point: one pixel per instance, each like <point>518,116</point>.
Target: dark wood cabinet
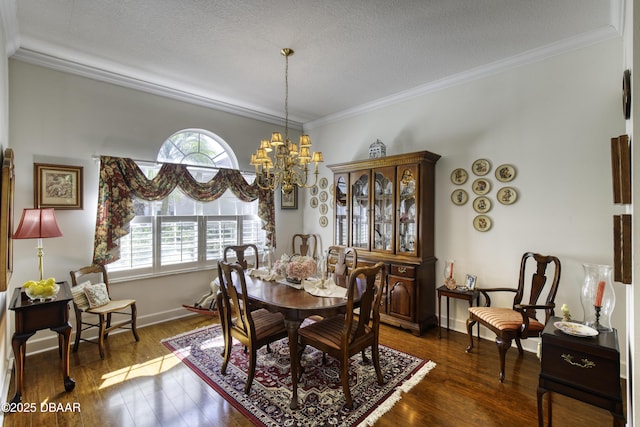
<point>384,208</point>
<point>584,368</point>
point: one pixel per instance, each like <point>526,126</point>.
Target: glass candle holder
<point>598,297</point>
<point>449,280</point>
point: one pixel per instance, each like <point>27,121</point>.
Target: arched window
<point>197,147</point>
<point>180,233</point>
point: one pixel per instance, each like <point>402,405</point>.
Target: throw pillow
<point>79,297</point>
<point>97,295</point>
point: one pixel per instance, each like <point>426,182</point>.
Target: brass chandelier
<point>281,163</point>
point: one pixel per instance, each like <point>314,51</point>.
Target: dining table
<point>295,305</point>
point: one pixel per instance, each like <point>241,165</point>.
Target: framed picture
<point>6,217</point>
<point>290,200</point>
<point>57,186</point>
<point>470,283</point>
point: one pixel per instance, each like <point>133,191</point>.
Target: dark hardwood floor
<point>143,384</point>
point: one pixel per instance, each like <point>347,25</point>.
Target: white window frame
<point>158,263</point>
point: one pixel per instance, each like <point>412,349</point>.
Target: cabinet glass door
<point>340,192</point>
<point>407,205</point>
<point>360,209</point>
<point>383,212</point>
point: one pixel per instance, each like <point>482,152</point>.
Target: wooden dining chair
<point>518,321</point>
<point>237,252</point>
<point>90,291</point>
<point>344,335</point>
<point>253,329</point>
<point>341,260</point>
<point>304,245</point>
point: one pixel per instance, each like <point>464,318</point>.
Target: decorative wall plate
<point>481,186</point>
<point>323,183</point>
<point>482,223</point>
<point>481,167</point>
<point>324,209</point>
<point>323,221</point>
<point>459,197</point>
<point>505,173</point>
<point>314,190</point>
<point>482,204</point>
<point>459,176</point>
<point>324,196</point>
<point>314,202</point>
<point>626,94</point>
<point>507,195</point>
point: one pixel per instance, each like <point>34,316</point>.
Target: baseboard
<point>50,341</point>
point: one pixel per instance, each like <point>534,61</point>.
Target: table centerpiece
<point>295,268</point>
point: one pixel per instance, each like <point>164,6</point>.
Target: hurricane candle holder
<point>598,297</point>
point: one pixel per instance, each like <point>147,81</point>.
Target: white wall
<point>553,121</point>
<point>64,119</point>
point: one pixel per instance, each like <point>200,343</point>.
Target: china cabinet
<point>384,207</point>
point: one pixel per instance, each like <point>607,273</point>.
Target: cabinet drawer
<point>597,373</point>
<point>403,270</point>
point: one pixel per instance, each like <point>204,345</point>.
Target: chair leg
<point>106,335</point>
<point>76,344</point>
<point>252,369</point>
<point>228,341</point>
<point>365,359</point>
<point>503,346</point>
<point>101,336</point>
<point>375,355</point>
<point>344,375</point>
<point>134,317</point>
<point>470,325</point>
<point>519,344</point>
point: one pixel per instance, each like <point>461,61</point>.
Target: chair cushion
<point>503,319</point>
<point>111,306</point>
<point>79,297</point>
<point>97,295</point>
<point>267,323</point>
<point>328,331</point>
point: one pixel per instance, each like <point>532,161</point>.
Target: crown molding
<point>166,90</point>
<point>534,55</point>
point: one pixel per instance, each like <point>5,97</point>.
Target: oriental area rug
<point>320,396</point>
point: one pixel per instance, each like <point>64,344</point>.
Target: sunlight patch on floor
<point>152,367</point>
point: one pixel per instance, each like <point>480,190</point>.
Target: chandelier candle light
<point>280,162</point>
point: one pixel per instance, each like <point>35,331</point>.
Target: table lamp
<point>38,224</point>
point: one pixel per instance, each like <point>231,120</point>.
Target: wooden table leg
<point>19,344</point>
<point>292,327</point>
<point>65,332</point>
<point>439,315</point>
<point>540,410</point>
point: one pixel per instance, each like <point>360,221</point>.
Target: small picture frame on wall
<point>289,200</point>
<point>470,283</point>
<point>57,186</point>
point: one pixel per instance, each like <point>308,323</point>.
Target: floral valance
<point>121,179</point>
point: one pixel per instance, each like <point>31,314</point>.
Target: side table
<point>457,293</point>
<point>584,368</point>
<point>30,317</point>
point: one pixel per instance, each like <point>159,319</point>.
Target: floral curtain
<point>121,180</point>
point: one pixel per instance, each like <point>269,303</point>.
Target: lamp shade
<point>37,224</point>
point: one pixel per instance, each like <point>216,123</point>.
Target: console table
<point>584,368</point>
<point>30,317</point>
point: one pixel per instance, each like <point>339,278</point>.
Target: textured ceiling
<point>348,53</point>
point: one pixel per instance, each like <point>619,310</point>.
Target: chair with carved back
<point>519,321</point>
<point>238,251</point>
<point>341,260</point>
<point>90,291</point>
<point>253,329</point>
<point>347,334</point>
<point>305,245</point>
